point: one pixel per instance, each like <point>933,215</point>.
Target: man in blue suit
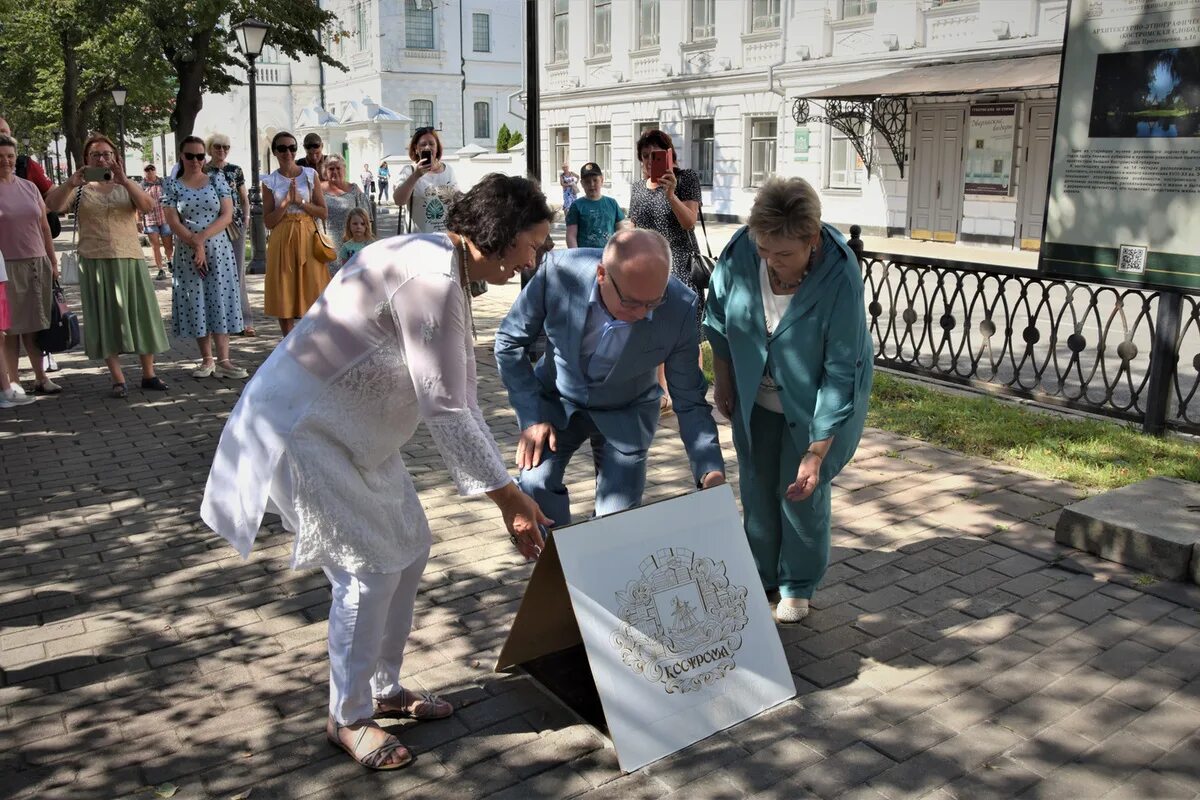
<point>610,317</point>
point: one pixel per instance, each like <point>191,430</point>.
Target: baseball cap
<point>589,169</point>
<point>312,138</point>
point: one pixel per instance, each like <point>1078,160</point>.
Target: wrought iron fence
<point>1124,352</point>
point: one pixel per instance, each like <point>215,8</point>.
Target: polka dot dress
<point>211,303</point>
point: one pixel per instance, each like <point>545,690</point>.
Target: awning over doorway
<point>971,77</point>
<point>861,109</point>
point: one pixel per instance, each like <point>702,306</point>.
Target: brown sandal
<point>375,759</point>
<point>413,705</point>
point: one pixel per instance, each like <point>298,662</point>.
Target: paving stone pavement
<point>954,650</point>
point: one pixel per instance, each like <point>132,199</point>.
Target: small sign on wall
<point>991,135</point>
<point>800,148</point>
<point>674,621</point>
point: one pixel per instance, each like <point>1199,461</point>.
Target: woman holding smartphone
<point>427,184</point>
<point>292,202</point>
<point>668,201</point>
<point>114,285</point>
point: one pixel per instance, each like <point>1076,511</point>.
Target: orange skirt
<point>295,279</point>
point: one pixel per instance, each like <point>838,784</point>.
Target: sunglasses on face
<point>193,156</point>
<point>634,304</point>
<point>286,148</point>
<point>423,130</point>
<point>220,147</point>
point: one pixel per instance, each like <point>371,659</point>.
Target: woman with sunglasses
<point>114,285</point>
<point>317,437</point>
<point>205,302</point>
<point>426,185</point>
<point>292,202</point>
<point>218,155</point>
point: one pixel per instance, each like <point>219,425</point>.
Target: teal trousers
<point>790,541</point>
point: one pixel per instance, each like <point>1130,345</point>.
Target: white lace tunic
<point>316,435</point>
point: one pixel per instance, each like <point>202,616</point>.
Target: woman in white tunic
<point>317,433</point>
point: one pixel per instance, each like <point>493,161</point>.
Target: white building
<point>961,91</point>
<point>456,65</point>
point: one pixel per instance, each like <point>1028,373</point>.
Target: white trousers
<point>369,622</point>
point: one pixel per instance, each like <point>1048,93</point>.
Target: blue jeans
<point>620,476</point>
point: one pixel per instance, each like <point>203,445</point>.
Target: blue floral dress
<point>209,303</point>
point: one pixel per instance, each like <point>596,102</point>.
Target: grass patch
<point>1092,453</point>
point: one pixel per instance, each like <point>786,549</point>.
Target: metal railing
<point>1124,352</point>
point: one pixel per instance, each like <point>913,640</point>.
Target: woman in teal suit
<point>792,361</point>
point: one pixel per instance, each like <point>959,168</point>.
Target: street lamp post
<point>251,35</point>
<point>119,93</point>
<point>57,167</point>
<point>25,144</point>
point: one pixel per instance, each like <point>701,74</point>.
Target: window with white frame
<point>421,112</point>
<point>647,23</point>
<point>857,8</point>
<point>483,120</point>
<point>560,30</point>
<point>360,24</point>
<point>764,15</point>
<point>601,27</point>
<point>418,25</point>
<point>704,16</point>
<point>481,33</point>
<point>762,149</point>
<point>562,146</point>
<point>844,166</point>
<point>702,150</point>
<point>602,147</point>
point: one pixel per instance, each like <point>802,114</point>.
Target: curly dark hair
<point>497,209</point>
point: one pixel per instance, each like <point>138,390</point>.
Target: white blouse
<point>280,185</point>
<point>774,307</point>
<point>317,433</point>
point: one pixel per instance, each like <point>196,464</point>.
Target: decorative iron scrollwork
<point>859,121</point>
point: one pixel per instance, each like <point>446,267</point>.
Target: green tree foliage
<point>515,139</point>
<point>503,139</point>
<point>60,59</point>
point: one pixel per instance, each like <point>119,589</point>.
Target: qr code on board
<point>1133,259</point>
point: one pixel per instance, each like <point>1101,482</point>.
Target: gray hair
<point>786,207</point>
<point>217,138</point>
<point>8,141</point>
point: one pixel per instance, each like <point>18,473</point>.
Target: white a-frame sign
<point>675,626</point>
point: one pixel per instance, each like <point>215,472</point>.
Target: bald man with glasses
<point>610,317</point>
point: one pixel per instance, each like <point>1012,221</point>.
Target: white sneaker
<point>788,614</point>
<point>14,396</point>
<point>205,370</point>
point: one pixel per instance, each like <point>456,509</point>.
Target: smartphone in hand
<point>97,174</point>
<point>661,162</point>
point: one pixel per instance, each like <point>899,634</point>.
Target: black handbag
<point>63,333</point>
<point>702,265</point>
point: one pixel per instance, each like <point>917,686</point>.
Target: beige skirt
<point>30,293</point>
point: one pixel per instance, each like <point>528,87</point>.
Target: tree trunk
<point>70,111</point>
<point>189,99</point>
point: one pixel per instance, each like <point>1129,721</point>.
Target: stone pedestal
<point>1152,526</point>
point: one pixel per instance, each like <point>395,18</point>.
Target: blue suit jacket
<point>625,404</point>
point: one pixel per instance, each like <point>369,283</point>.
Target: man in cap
<point>593,218</point>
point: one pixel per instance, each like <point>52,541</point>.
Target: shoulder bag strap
<point>75,213</point>
<point>704,228</point>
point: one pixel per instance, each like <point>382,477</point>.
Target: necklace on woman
<point>780,283</point>
<point>466,284</point>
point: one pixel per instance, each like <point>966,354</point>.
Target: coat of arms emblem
<point>681,620</point>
